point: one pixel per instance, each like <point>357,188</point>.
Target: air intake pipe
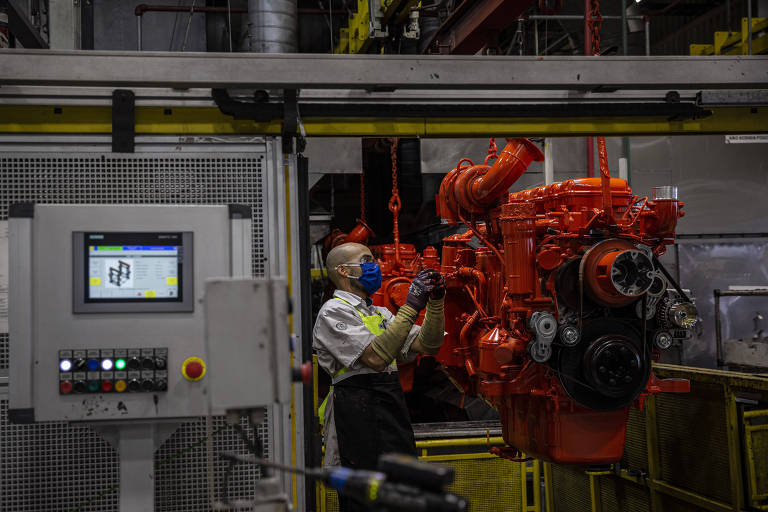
<point>476,188</point>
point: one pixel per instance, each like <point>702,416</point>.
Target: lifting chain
<point>362,194</point>
<point>492,151</point>
<point>394,202</point>
<point>595,22</point>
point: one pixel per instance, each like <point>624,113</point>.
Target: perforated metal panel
<point>571,486</point>
<point>106,178</point>
<point>181,478</point>
<point>616,494</point>
<point>55,466</point>
<point>490,484</point>
<point>3,351</point>
<point>636,446</point>
<point>693,442</point>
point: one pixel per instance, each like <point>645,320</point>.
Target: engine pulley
<point>609,368</point>
<point>616,273</point>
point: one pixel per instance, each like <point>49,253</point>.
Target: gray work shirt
<point>339,338</point>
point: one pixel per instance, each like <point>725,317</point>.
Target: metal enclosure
<point>247,343</point>
<point>79,468</point>
<point>43,322</point>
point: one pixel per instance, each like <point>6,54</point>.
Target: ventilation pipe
<point>272,26</point>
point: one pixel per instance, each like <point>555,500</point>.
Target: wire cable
<point>229,21</point>
<point>189,24</point>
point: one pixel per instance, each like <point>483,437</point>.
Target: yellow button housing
<point>193,368</point>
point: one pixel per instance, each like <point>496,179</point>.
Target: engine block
<point>557,303</point>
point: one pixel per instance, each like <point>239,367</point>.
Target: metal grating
<point>4,351</point>
<point>174,458</point>
<point>55,466</point>
<point>693,442</point>
<point>488,483</point>
<point>670,504</point>
<point>571,489</point>
<point>756,454</point>
<point>145,178</point>
<point>636,445</point>
<point>619,494</point>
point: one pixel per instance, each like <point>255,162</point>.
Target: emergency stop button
<point>193,368</point>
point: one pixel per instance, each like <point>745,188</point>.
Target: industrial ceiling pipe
<point>272,26</point>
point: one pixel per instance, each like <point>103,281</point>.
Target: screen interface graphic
<point>122,267</point>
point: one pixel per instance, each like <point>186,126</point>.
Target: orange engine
<point>557,303</point>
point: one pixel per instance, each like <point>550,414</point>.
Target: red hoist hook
<point>394,203</point>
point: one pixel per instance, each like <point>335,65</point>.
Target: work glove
<point>438,284</point>
<point>421,288</point>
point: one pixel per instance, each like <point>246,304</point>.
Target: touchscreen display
<point>128,267</point>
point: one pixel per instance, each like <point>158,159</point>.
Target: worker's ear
<point>342,270</point>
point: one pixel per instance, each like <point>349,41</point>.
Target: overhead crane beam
<point>378,72</point>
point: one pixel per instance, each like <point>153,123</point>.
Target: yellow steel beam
<point>701,49</point>
<point>734,447</point>
<point>549,498</point>
<point>733,379</point>
<point>654,455</point>
<point>149,120</point>
<point>457,456</point>
<point>210,121</point>
<point>691,497</point>
<point>750,453</point>
<point>758,43</point>
<point>449,443</point>
<point>727,43</point>
<point>537,486</point>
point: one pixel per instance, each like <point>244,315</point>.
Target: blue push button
<point>93,364</point>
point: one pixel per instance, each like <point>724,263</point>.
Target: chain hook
<point>492,151</point>
<point>395,204</point>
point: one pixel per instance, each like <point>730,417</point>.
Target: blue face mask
<point>370,278</point>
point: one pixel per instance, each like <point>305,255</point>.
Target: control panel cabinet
<point>106,315</point>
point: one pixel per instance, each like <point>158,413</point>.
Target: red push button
<point>65,387</point>
<point>106,386</point>
<point>193,368</point>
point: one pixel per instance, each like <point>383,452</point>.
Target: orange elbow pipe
<point>505,171</point>
<point>360,233</point>
<point>479,186</point>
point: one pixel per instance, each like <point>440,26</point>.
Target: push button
<point>193,368</point>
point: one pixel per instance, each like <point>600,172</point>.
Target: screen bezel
<point>83,304</point>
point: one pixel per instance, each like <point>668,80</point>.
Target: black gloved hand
<point>421,288</point>
<point>438,284</point>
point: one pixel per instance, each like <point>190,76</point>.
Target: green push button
<point>93,386</point>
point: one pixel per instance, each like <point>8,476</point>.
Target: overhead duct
<point>272,26</point>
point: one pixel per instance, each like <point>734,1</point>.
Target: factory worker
<point>358,344</point>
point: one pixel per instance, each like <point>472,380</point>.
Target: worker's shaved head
<point>344,253</point>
